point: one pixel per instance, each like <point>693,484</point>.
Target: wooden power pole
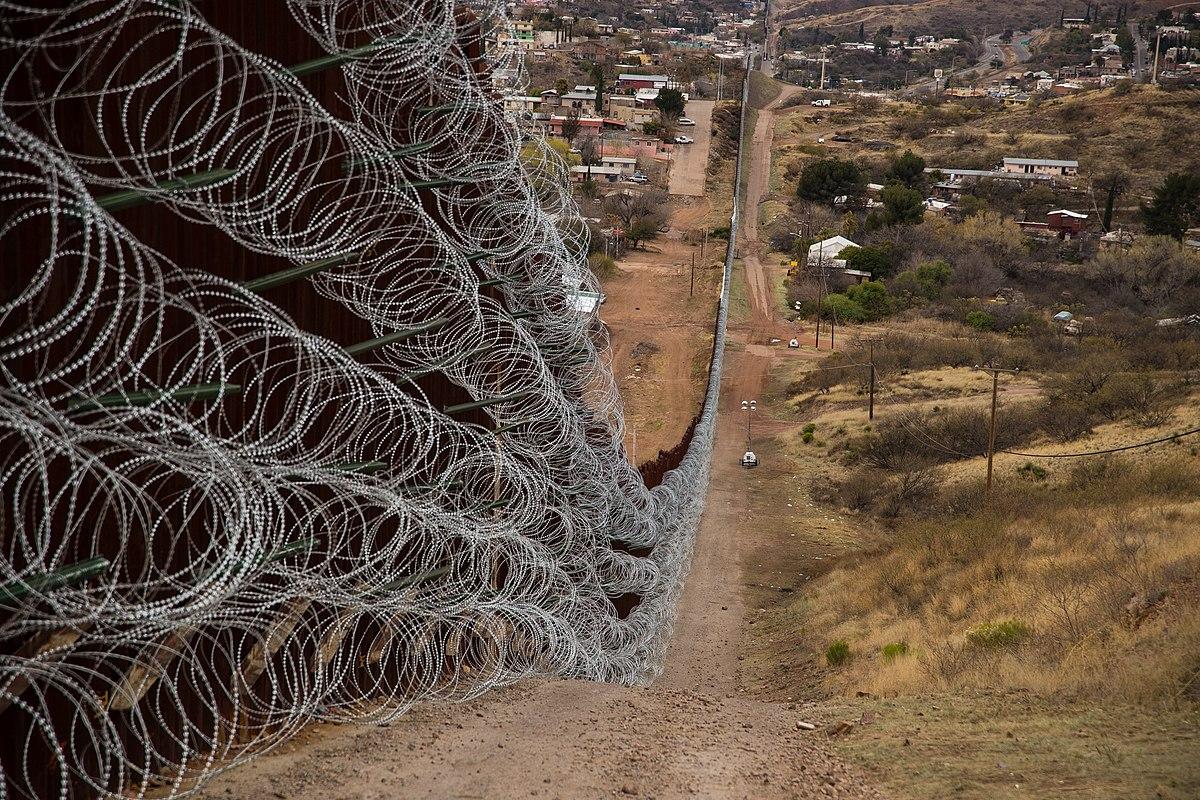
<point>991,447</point>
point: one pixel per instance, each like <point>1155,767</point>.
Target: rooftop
<point>1042,162</point>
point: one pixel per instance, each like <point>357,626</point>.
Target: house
<point>629,80</point>
<point>825,252</point>
<point>596,172</point>
<point>516,104</point>
<point>626,108</point>
<point>580,97</point>
<point>627,165</point>
<point>1041,166</point>
<point>587,125</point>
<point>1066,224</point>
<point>939,207</point>
<point>955,176</point>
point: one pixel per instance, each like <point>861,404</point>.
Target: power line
<point>1173,436</point>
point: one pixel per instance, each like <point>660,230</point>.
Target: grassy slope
<point>1146,132</point>
<point>1096,702</point>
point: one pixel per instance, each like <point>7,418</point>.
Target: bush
<point>995,635</point>
<point>603,266</point>
<point>893,651</point>
<point>837,653</point>
<point>1031,471</point>
<point>981,320</point>
<point>946,436</point>
<point>1066,420</point>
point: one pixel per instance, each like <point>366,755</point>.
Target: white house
<point>626,164</point>
<point>825,253</point>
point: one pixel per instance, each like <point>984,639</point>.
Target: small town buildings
<point>1040,166</point>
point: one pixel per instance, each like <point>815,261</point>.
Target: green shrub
<point>981,320</point>
<point>807,437</point>
<point>810,427</point>
<point>603,266</point>
<point>1031,471</point>
<point>894,650</point>
<point>1008,633</point>
<point>837,653</point>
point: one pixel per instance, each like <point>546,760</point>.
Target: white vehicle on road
<point>684,140</point>
<point>686,122</point>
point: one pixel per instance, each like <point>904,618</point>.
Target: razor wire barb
<point>216,526</point>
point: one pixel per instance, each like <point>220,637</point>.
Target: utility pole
<point>1157,48</point>
<point>991,448</point>
<point>871,391</point>
<point>692,285</point>
<point>820,287</point>
<point>749,406</point>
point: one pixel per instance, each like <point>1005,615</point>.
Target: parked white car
<point>684,140</point>
<point>686,122</point>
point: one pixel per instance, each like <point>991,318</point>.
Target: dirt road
<point>700,731</point>
<point>691,160</point>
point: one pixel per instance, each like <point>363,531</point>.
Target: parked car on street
<point>640,177</point>
<point>686,122</point>
<point>684,140</point>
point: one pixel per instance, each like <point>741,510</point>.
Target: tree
<point>1113,183</point>
<point>863,302</point>
<point>902,205</point>
<point>1176,205</point>
<point>862,34</point>
<point>877,260</point>
<point>643,229</point>
<point>1155,268</point>
<point>598,82</point>
<point>589,151</point>
<point>669,103</point>
<point>927,280</point>
<point>639,213</point>
<point>882,43</point>
<point>1126,43</point>
<point>1037,200</point>
<point>570,127</point>
<point>823,181</point>
<point>908,169</point>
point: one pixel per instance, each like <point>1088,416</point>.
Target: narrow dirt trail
<point>696,732</point>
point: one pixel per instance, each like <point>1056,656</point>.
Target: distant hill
<point>937,16</point>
